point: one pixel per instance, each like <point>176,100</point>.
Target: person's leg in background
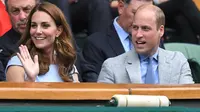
<point>185,14</point>
<point>187,34</point>
<point>192,13</point>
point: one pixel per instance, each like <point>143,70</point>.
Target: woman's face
<point>43,31</point>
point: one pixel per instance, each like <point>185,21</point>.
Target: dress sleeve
<point>14,61</point>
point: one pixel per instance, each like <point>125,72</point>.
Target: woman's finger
<point>20,58</point>
<point>21,52</point>
<point>27,52</point>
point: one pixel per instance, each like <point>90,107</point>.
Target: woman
<point>46,50</point>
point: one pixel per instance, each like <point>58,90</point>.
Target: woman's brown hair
<point>65,52</point>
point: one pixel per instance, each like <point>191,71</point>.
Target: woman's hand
<point>31,67</point>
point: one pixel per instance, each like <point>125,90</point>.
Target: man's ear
<point>59,31</point>
<point>162,30</point>
<point>121,6</point>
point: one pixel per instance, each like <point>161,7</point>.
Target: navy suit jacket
<point>97,48</point>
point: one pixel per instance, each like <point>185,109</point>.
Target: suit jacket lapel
<point>132,64</point>
<point>164,68</point>
<point>114,41</point>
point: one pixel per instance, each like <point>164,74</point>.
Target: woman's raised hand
<point>31,66</point>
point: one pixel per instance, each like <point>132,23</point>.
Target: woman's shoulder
<point>14,61</point>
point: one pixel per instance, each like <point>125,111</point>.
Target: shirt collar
<point>120,31</point>
<point>155,56</point>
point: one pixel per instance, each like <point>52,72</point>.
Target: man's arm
<point>93,59</point>
<point>106,75</point>
<point>5,51</point>
<point>2,73</point>
<point>186,76</point>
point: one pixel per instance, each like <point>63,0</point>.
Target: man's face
<point>145,34</point>
<point>19,11</point>
<point>127,11</point>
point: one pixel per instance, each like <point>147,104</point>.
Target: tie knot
<point>150,59</point>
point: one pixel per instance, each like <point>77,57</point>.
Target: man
<point>18,11</point>
<point>102,45</point>
<point>147,63</point>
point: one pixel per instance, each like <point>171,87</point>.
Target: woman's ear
<point>59,31</point>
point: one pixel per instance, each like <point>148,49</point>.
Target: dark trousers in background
<point>184,17</point>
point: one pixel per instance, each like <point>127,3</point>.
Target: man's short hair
<point>6,3</point>
<point>159,14</point>
<point>125,1</point>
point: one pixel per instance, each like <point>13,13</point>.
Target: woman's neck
<point>51,55</point>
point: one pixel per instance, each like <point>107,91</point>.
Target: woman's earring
<point>57,36</point>
<point>56,40</point>
<point>54,53</point>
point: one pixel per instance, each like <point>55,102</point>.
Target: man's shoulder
<point>120,59</point>
<point>8,44</point>
<point>97,37</point>
<point>5,38</point>
<point>9,38</point>
<point>4,41</point>
<point>98,40</point>
<point>102,37</point>
<point>173,55</point>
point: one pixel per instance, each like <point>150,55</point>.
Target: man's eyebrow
<point>21,6</point>
<point>14,7</point>
<point>27,6</point>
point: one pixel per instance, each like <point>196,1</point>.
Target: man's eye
<point>15,11</point>
<point>135,27</point>
<point>27,10</point>
<point>145,28</point>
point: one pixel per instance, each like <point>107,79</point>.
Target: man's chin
<point>21,31</point>
<point>141,52</point>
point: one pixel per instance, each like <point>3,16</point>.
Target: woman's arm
<point>22,64</point>
<point>15,74</point>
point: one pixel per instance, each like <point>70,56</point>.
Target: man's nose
<point>139,33</point>
<point>22,15</point>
